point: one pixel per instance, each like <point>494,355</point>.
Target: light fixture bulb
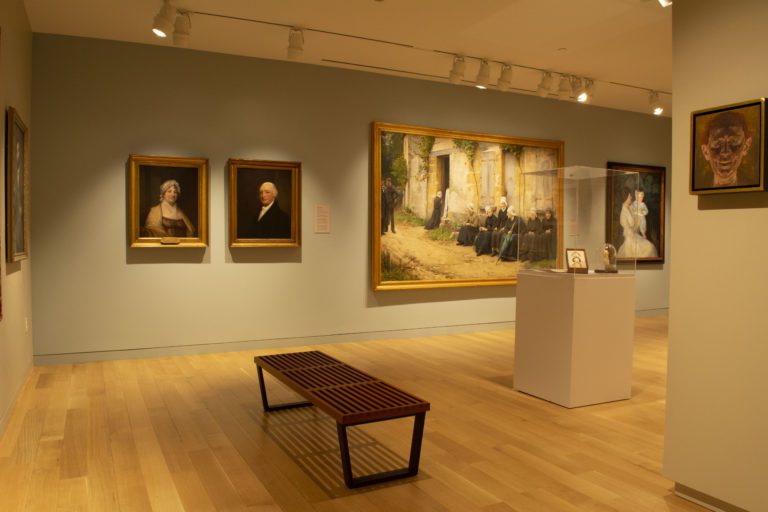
<point>295,43</point>
<point>577,86</point>
<point>653,100</point>
<point>505,79</point>
<point>665,3</point>
<point>457,71</point>
<point>182,29</point>
<point>163,23</point>
<point>545,85</point>
<point>564,89</point>
<point>483,75</point>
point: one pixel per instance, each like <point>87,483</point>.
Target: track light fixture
<point>545,85</point>
<point>483,75</point>
<point>295,43</point>
<point>564,88</point>
<point>577,87</point>
<point>569,86</point>
<point>457,71</point>
<point>182,29</point>
<point>505,79</point>
<point>589,88</point>
<point>163,24</point>
<point>653,100</point>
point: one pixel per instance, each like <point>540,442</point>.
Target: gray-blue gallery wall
<point>96,102</point>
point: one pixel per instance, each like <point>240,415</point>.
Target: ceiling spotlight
<point>181,30</point>
<point>564,88</point>
<point>545,86</point>
<point>577,86</point>
<point>653,100</point>
<point>457,71</point>
<point>665,3</point>
<point>483,75</point>
<point>505,80</point>
<point>163,24</point>
<point>295,43</point>
<point>589,88</point>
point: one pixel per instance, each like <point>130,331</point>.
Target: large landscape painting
<point>448,207</point>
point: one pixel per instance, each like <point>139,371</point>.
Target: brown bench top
<point>345,393</point>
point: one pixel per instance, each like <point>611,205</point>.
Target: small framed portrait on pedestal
<point>576,259</point>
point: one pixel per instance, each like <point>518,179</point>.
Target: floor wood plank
<point>188,433</point>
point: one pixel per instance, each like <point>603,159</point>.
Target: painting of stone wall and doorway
<point>447,205</point>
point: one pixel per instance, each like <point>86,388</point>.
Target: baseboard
<point>705,500</point>
<point>652,312</point>
<point>237,346</point>
<point>5,417</point>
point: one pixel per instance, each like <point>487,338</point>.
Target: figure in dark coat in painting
<point>468,231</point>
<point>531,244</point>
<point>483,240</point>
<point>437,212</point>
<point>390,195</point>
<point>508,250</point>
<point>549,235</point>
<point>503,222</point>
<point>271,222</point>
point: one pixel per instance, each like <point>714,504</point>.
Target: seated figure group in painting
<point>500,233</point>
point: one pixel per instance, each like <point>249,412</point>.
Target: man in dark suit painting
<point>271,221</point>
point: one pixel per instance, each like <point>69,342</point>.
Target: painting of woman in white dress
<point>634,228</point>
<point>635,213</point>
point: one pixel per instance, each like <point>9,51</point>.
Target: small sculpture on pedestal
<point>609,258</point>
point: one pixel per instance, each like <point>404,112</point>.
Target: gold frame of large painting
<point>168,201</point>
<point>427,188</point>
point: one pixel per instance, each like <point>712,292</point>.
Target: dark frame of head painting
<point>428,189</point>
<point>168,201</point>
<point>644,214</point>
<point>727,148</point>
<point>16,185</point>
<point>264,203</point>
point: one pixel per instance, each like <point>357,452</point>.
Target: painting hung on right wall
<point>635,215</point>
<point>727,150</point>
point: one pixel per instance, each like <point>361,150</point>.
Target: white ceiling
<point>610,41</point>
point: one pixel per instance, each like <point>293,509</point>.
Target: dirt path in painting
<point>428,259</point>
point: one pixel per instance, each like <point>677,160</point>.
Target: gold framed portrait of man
<point>727,148</point>
<point>264,203</point>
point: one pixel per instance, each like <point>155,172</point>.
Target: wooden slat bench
<point>350,397</point>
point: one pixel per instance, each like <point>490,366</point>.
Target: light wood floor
<point>188,433</point>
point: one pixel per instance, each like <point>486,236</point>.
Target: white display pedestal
<point>573,336</point>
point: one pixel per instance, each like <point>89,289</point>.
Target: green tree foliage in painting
<point>425,149</point>
<point>393,162</point>
<point>470,148</point>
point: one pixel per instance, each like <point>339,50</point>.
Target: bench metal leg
<point>386,476</point>
<point>265,403</point>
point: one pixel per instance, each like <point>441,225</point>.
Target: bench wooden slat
<point>324,376</point>
<point>345,393</point>
<point>300,360</point>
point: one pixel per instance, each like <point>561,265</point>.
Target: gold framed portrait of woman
<point>168,201</point>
